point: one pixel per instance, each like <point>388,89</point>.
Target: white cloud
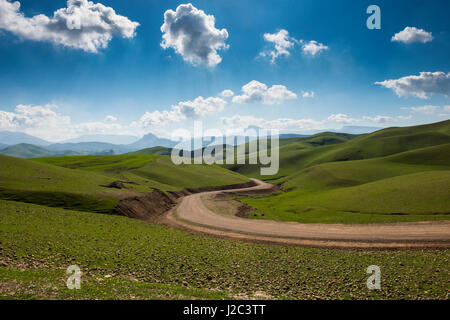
<point>82,25</point>
<point>421,86</point>
<point>47,123</point>
<point>412,34</point>
<point>428,109</point>
<point>227,93</point>
<point>110,118</point>
<point>446,108</point>
<point>313,47</point>
<point>29,116</point>
<point>341,118</point>
<point>255,91</point>
<point>308,94</point>
<point>193,35</point>
<point>379,119</point>
<point>282,43</point>
<point>183,110</point>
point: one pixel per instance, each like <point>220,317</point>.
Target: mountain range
<point>23,145</point>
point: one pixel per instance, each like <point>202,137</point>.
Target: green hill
<point>153,171</point>
<point>40,183</point>
<point>378,177</point>
<point>299,153</point>
<point>412,197</point>
<point>79,182</point>
<point>155,150</point>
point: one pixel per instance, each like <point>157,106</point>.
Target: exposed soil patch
<point>244,211</point>
<point>150,206</point>
<point>116,185</point>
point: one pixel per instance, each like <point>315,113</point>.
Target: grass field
<point>129,259</point>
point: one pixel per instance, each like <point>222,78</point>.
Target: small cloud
<point>308,94</point>
<point>411,35</point>
<point>255,91</point>
<point>282,43</point>
<point>193,35</point>
<point>421,86</point>
<point>313,47</point>
<point>227,93</point>
<point>110,118</point>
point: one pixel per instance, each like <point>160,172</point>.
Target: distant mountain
<point>358,129</point>
<point>12,138</point>
<point>91,147</point>
<point>3,146</point>
<point>24,150</point>
<point>150,141</point>
<point>106,138</point>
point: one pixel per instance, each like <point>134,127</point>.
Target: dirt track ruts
<point>192,214</point>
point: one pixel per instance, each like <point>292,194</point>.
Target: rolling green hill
<point>153,171</point>
<point>299,153</point>
<point>79,183</point>
<point>40,183</point>
<point>395,174</point>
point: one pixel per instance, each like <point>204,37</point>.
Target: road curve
<point>192,214</point>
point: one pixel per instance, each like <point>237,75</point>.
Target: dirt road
<point>191,213</point>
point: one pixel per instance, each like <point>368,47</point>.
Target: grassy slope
<point>29,181</point>
<point>153,261</point>
<point>155,150</point>
<point>151,170</point>
<point>78,182</point>
<point>324,185</point>
<point>298,153</point>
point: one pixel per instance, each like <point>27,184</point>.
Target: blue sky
<point>65,89</point>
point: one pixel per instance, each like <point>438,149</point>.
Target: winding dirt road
<point>192,214</point>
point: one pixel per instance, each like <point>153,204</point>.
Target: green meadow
<point>123,258</point>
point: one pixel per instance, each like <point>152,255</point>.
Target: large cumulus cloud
<point>82,24</point>
<point>193,35</point>
<point>255,91</point>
